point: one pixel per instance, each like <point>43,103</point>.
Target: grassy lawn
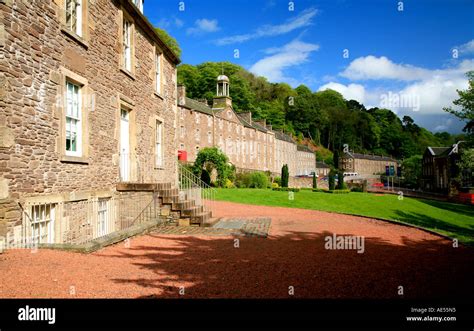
<point>450,219</point>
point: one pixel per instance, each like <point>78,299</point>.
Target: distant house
<point>438,168</point>
<point>322,169</point>
<point>366,164</point>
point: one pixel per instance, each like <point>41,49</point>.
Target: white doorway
<point>124,145</point>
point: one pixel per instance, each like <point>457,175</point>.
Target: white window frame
<point>158,75</point>
<point>103,217</point>
<point>40,222</point>
<point>75,9</point>
<point>159,144</point>
<point>127,44</point>
<point>71,114</point>
<point>209,137</point>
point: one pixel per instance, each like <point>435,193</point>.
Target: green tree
<point>284,176</point>
<point>210,158</point>
<point>332,180</point>
<point>341,185</point>
<point>466,104</point>
<point>411,171</point>
<point>315,181</point>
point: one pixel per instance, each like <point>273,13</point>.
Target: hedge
<point>338,191</point>
<point>287,189</point>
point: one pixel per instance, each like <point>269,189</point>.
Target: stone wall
<point>39,54</point>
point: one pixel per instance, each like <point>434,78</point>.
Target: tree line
<point>324,117</point>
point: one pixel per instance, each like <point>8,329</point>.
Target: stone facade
<point>366,164</point>
<point>40,56</point>
<point>249,144</point>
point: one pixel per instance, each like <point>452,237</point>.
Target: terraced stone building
<point>251,145</point>
<point>87,120</point>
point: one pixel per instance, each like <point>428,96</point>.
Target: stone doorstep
<point>110,239</point>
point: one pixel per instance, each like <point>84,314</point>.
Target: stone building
<point>438,166</point>
<point>249,144</point>
<point>322,169</point>
<point>366,164</point>
<point>88,102</point>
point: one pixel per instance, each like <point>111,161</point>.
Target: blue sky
<point>411,60</point>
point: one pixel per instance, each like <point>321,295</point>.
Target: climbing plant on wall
<point>210,158</point>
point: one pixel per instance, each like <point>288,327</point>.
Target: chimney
<point>181,95</point>
<point>269,127</point>
<point>247,116</point>
<point>204,101</point>
<point>262,122</point>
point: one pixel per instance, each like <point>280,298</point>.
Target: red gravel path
<point>157,265</point>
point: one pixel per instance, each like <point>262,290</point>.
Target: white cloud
<point>426,91</point>
<point>167,23</point>
<point>292,54</point>
<point>202,26</point>
<point>376,68</point>
<point>371,67</point>
<point>349,92</point>
<point>302,20</point>
<point>467,48</point>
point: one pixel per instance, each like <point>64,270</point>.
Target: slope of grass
<point>453,220</point>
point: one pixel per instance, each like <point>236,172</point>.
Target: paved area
<point>250,227</point>
<point>292,261</point>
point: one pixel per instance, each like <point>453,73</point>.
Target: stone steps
<point>188,209</point>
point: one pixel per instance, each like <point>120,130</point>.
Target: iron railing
<point>77,222</point>
<point>191,187</point>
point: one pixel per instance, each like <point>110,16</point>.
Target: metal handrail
<point>195,188</point>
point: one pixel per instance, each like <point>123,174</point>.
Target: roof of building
<point>437,151</point>
<point>198,106</point>
<point>368,157</point>
<point>283,136</point>
<point>223,78</point>
<point>244,121</point>
<point>320,165</point>
<point>259,127</point>
<point>303,148</point>
<point>148,28</point>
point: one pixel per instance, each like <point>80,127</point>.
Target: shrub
<point>241,180</point>
<point>315,181</point>
<point>286,189</point>
<point>228,184</point>
<point>258,180</point>
<point>205,177</point>
<point>275,185</point>
<point>285,175</point>
<point>319,190</point>
<point>277,180</point>
<point>357,189</point>
<point>338,191</point>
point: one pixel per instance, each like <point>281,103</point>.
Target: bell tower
<point>222,98</point>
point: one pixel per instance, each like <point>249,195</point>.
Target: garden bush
<point>277,180</point>
<point>319,190</point>
<point>338,191</point>
<point>258,180</point>
<point>286,189</point>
